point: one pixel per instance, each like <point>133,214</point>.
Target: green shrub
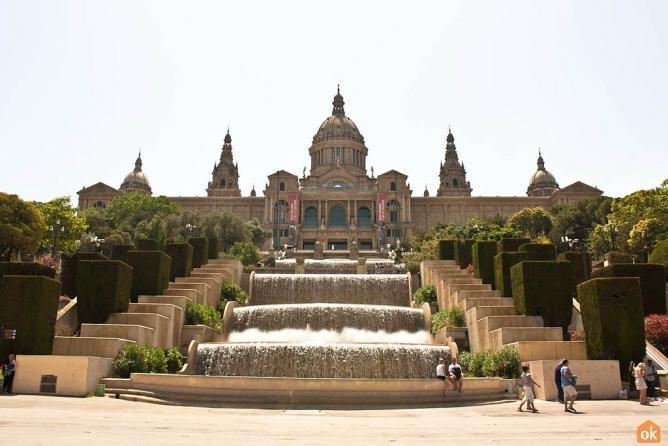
<point>173,360</point>
<point>135,358</point>
<point>26,269</point>
<point>214,248</point>
<point>542,288</point>
<point>246,252</point>
<point>612,317</point>
<point>103,288</point>
<point>146,244</point>
<point>618,257</point>
<point>505,363</point>
<point>68,271</point>
<point>503,261</point>
<point>580,265</point>
<point>483,261</point>
<point>539,251</point>
<point>446,250</point>
<point>510,244</point>
<point>150,273</point>
<point>453,317</point>
<point>200,250</point>
<point>120,252</point>
<point>182,259</point>
<point>652,282</point>
<point>231,292</point>
<point>463,255</point>
<point>28,304</point>
<point>660,253</point>
<point>472,363</point>
<point>426,294</point>
<point>198,314</point>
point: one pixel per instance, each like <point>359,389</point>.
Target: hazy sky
<point>85,84</point>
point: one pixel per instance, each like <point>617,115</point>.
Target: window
<point>364,217</point>
<point>222,182</point>
<point>311,218</point>
<point>393,186</point>
<point>308,244</point>
<point>99,205</point>
<point>281,186</point>
<point>337,217</point>
<point>454,182</point>
<point>393,216</point>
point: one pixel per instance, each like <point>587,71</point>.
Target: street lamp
<point>55,229</point>
<point>613,230</point>
<point>190,229</point>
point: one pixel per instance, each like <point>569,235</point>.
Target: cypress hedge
<point>200,250</point>
<point>539,251</point>
<point>483,261</point>
<point>580,266</point>
<point>29,305</point>
<point>150,273</point>
<point>652,282</point>
<point>147,244</point>
<point>503,261</point>
<point>103,287</point>
<point>446,250</point>
<point>68,272</point>
<point>543,288</point>
<point>463,255</point>
<point>613,319</point>
<point>214,248</point>
<point>26,269</point>
<point>182,259</point>
<point>511,244</point>
<point>120,252</point>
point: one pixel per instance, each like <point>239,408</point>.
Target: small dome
<point>426,192</point>
<point>542,179</point>
<point>136,180</point>
<point>338,126</point>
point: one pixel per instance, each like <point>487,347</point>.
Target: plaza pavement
<point>42,420</point>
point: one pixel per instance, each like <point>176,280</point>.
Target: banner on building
<point>293,208</point>
<point>381,207</point>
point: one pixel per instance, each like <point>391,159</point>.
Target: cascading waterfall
<point>330,266</point>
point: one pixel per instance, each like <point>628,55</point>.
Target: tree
<point>532,221</point>
<point>126,211</point>
<point>63,223</point>
<point>21,226</point>
<point>645,234</point>
<point>227,227</point>
<point>256,232</point>
<point>96,222</point>
<point>660,253</point>
<point>578,220</point>
<point>600,241</point>
<point>246,252</point>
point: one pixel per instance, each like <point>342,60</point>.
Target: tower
<point>225,175</point>
<point>542,183</point>
<point>452,175</point>
<point>136,181</point>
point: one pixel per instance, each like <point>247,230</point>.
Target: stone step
<point>468,303</point>
<point>537,350</point>
<point>88,346</point>
<point>201,288</point>
<point>462,280</point>
<point>507,335</point>
<point>162,336</point>
<point>209,274</point>
<point>137,333</point>
<point>477,313</point>
<point>192,295</point>
<point>179,301</point>
<point>212,293</point>
<point>455,300</point>
<point>451,289</point>
<point>175,314</point>
<point>479,329</point>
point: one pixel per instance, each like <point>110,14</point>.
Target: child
<point>528,383</point>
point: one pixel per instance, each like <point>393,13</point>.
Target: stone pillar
<point>318,251</point>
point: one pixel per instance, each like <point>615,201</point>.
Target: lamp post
<point>55,229</point>
<point>613,230</point>
<point>583,249</point>
<point>190,228</point>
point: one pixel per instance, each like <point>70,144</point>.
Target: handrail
<point>66,308</point>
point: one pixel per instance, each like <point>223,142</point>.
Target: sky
<point>85,84</point>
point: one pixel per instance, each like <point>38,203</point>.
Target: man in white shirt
<point>440,374</point>
<point>455,371</point>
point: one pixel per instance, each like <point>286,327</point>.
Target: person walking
<point>455,371</point>
<point>557,381</point>
<point>650,378</point>
<point>440,374</point>
<point>528,383</point>
<point>641,384</point>
<point>10,371</point>
<point>568,381</point>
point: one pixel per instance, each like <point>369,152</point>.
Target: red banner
<point>381,206</point>
<point>293,208</point>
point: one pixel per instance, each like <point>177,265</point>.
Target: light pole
<point>190,228</point>
<point>55,229</point>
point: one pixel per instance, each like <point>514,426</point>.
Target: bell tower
<point>453,174</point>
<point>225,175</point>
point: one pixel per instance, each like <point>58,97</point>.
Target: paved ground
<point>33,420</point>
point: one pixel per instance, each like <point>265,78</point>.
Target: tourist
<point>440,374</point>
<point>568,381</point>
<point>455,371</point>
<point>641,385</point>
<point>528,383</point>
<point>10,371</point>
<point>650,378</point>
<point>469,269</point>
<point>557,381</point>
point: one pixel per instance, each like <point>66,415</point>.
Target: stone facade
<point>338,202</point>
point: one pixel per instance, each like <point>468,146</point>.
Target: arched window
<point>222,182</point>
<point>394,207</point>
<point>393,186</point>
<point>337,217</point>
<point>99,205</point>
<point>454,182</point>
<point>364,217</point>
<point>281,186</point>
<point>311,218</point>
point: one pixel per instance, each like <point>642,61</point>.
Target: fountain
<point>330,266</point>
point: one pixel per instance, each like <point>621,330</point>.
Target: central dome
<point>338,126</point>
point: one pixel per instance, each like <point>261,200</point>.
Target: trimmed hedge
<point>68,271</point>
<point>150,273</point>
<point>580,268</point>
<point>120,252</point>
<point>214,248</point>
<point>613,319</point>
<point>543,288</point>
<point>463,255</point>
<point>26,269</point>
<point>446,250</point>
<point>29,305</point>
<point>503,261</point>
<point>147,244</point>
<point>103,287</point>
<point>483,261</point>
<point>182,259</point>
<point>652,282</point>
<point>539,251</point>
<point>511,244</point>
<point>200,250</point>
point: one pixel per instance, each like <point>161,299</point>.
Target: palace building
<point>339,202</point>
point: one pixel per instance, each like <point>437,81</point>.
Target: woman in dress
<point>641,385</point>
